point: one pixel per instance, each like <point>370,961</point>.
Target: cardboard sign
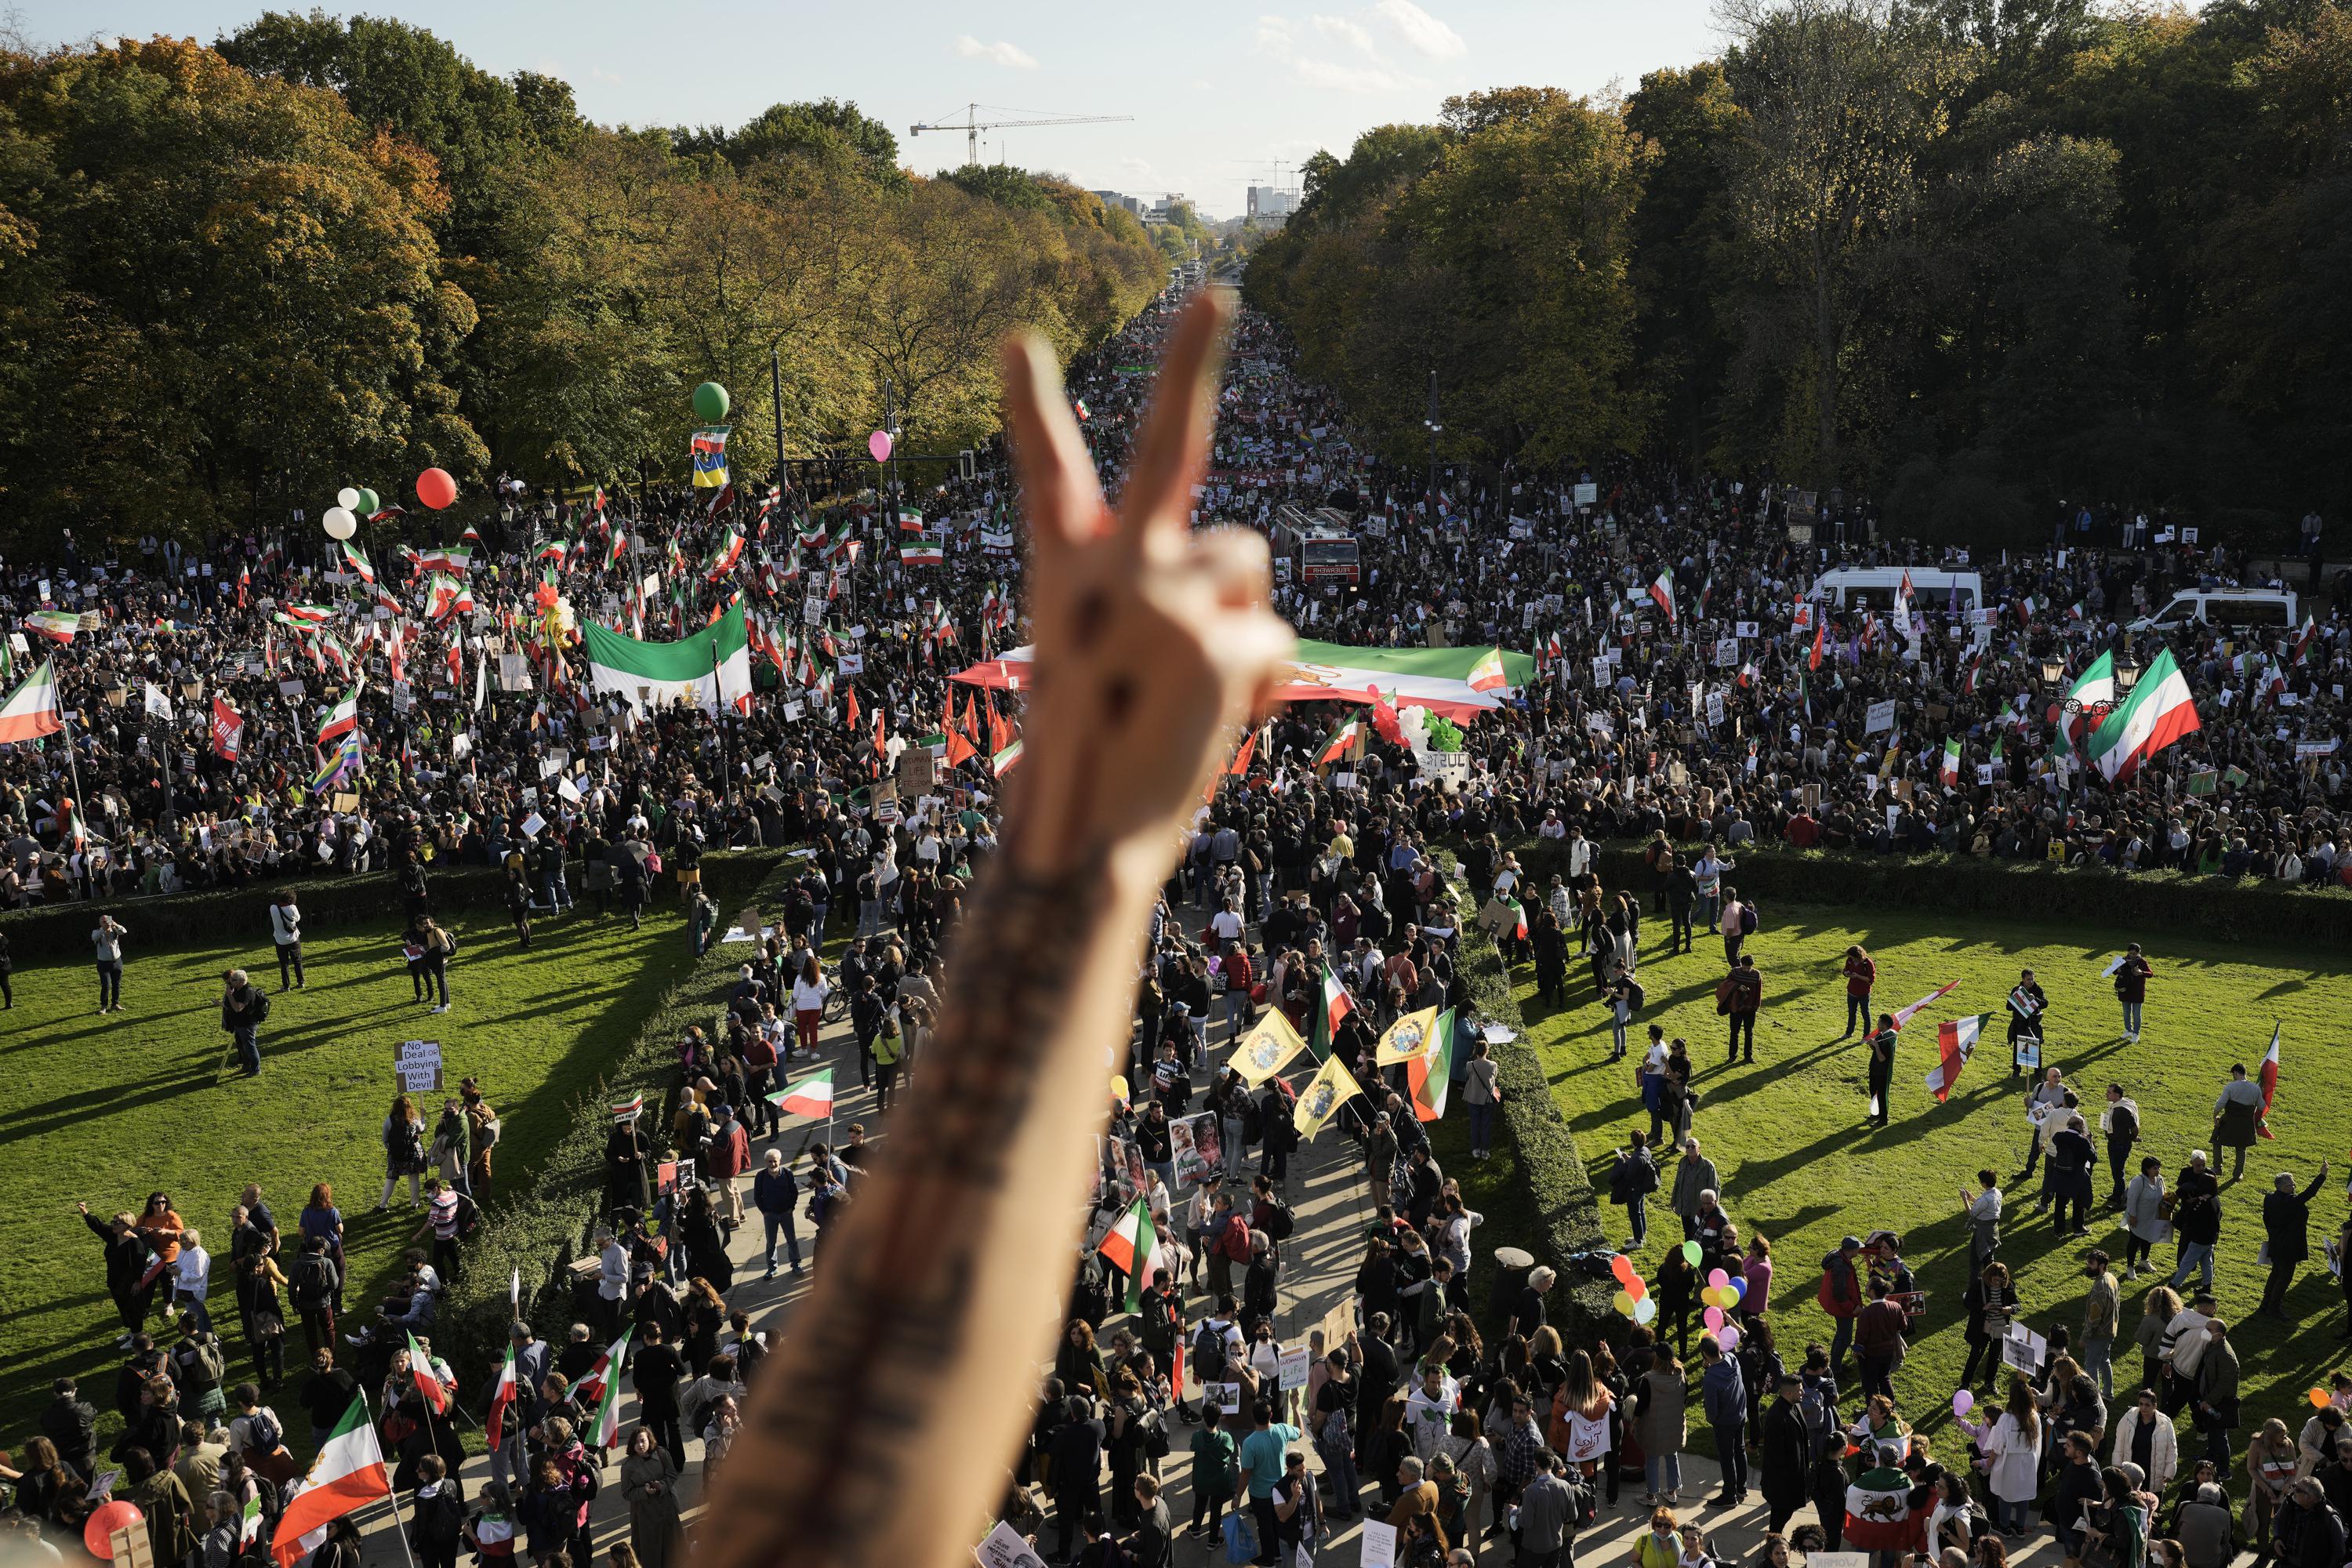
<point>416,1065</point>
<point>813,609</point>
<point>917,771</point>
<point>344,802</point>
<point>290,689</point>
<point>1228,1396</point>
<point>514,672</point>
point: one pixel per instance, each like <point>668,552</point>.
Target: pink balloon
<point>1717,1277</point>
<point>1714,1319</point>
<point>879,445</point>
<point>1728,1337</point>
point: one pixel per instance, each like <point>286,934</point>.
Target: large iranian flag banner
<point>709,669</point>
<point>1449,681</point>
<point>2159,712</point>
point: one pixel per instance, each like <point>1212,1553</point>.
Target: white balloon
<point>339,523</point>
<point>347,498</point>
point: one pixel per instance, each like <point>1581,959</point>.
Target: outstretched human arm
<point>884,1427</point>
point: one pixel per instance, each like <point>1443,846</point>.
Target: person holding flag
<point>2238,1115</point>
<point>348,1475</point>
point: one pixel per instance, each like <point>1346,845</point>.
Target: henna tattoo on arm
<point>861,1361</point>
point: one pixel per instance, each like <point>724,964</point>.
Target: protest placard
<point>417,1067</point>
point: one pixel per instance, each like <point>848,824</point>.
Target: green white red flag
<point>1430,1075</point>
<point>348,1475</point>
<point>1134,1247</point>
<point>502,1398</point>
<point>32,711</point>
<point>1903,1015</point>
<point>2159,712</point>
<point>810,1096</point>
<point>428,1383</point>
<point>1956,1041</point>
<point>1334,1004</point>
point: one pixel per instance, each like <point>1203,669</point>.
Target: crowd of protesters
<point>1290,874</point>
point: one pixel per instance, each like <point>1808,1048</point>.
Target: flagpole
<point>390,1496</point>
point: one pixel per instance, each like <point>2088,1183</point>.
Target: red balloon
<point>103,1522</point>
<point>436,488</point>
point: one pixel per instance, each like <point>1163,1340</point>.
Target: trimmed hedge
<point>2212,906</point>
<point>62,930</point>
<point>1564,1198</point>
<point>542,1227</point>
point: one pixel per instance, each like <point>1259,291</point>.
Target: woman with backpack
<point>434,948</point>
<point>1335,1434</point>
<point>1632,1180</point>
<point>1130,1429</point>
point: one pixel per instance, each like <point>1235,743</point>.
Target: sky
<point>1220,94</point>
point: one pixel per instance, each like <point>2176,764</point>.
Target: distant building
<point>1122,203</point>
<point>1164,210</point>
<point>1271,205</point>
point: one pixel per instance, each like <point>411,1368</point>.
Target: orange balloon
<point>1623,1268</point>
<point>98,1530</point>
<point>2318,1397</point>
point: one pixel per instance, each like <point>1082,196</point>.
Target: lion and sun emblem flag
<point>1322,1097</point>
<point>1267,1050</point>
<point>1879,1516</point>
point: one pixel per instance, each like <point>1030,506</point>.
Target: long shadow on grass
<point>69,1110</point>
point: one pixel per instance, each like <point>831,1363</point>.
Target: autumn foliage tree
<point>234,278</point>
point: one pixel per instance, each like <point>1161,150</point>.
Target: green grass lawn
<point>105,1110</point>
<point>1799,1165</point>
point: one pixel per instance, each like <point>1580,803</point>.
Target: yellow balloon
<point>1622,1303</point>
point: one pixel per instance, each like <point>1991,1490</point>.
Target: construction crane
<point>971,125</point>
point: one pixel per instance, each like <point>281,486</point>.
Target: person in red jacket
<point>1239,977</point>
<point>728,1155</point>
<point>1861,974</point>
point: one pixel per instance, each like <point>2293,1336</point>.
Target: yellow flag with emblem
<point>1324,1095</point>
<point>1267,1050</point>
<point>1408,1039</point>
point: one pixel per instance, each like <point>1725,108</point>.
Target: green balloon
<point>369,505</point>
<point>711,403</point>
<point>1691,1253</point>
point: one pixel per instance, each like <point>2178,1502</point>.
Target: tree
<point>1680,232</point>
<point>1839,100</point>
<point>235,302</point>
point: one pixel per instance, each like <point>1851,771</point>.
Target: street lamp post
<point>1434,427</point>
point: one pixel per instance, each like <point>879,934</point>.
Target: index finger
<point>1174,445</point>
<point>1061,495</point>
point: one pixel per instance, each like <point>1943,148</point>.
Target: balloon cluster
<point>1723,1292</point>
<point>435,488</point>
<point>1633,1298</point>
